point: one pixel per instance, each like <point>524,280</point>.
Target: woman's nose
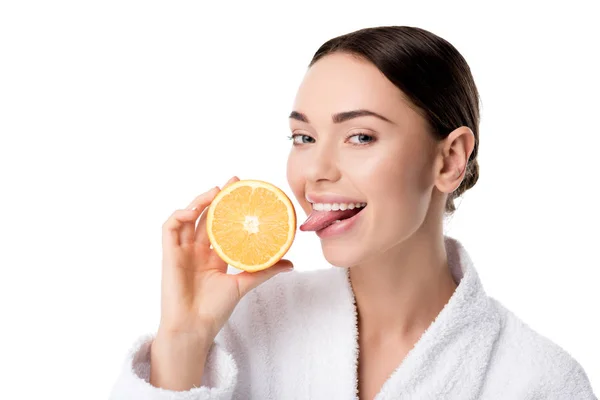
<point>322,165</point>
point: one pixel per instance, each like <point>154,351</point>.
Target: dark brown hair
<point>430,72</point>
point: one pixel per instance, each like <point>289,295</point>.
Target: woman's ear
<point>453,157</point>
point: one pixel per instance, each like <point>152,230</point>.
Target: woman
<point>387,118</point>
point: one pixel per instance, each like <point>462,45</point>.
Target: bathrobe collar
<point>452,354</point>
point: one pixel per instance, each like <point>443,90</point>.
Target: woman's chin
<point>342,255</point>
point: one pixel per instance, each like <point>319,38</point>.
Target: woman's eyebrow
<point>342,116</point>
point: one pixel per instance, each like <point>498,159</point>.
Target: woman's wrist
<point>177,360</point>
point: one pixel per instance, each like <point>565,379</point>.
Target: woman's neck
<point>401,292</point>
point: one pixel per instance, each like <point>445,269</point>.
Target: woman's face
<point>386,164</point>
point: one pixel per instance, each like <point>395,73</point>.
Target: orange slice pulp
<point>251,224</point>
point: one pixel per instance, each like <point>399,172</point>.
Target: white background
<point>115,113</point>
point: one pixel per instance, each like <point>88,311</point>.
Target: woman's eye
<point>361,138</point>
<point>301,139</point>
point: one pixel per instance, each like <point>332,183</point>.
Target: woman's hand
<point>197,296</point>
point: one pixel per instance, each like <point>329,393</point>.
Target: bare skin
<point>396,253</point>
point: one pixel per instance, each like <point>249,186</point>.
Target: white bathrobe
<point>295,337</point>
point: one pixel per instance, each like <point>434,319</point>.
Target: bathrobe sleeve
<point>218,381</point>
<point>236,358</point>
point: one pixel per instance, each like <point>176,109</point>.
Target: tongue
<point>318,220</point>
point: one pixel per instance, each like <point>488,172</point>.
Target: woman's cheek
<point>293,175</point>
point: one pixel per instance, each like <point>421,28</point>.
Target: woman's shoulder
<point>525,356</point>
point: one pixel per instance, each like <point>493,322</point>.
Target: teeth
<point>337,206</point>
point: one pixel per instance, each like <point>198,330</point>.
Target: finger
<point>182,220</point>
<point>201,236</point>
<point>230,181</point>
<point>250,280</point>
<point>188,230</point>
<point>200,199</point>
<point>173,225</point>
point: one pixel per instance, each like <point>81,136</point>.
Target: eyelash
<point>373,139</point>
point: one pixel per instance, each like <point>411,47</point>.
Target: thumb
<point>250,280</point>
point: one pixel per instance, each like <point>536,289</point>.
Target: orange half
<point>251,224</point>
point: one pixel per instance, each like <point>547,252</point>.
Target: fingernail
<point>288,270</point>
